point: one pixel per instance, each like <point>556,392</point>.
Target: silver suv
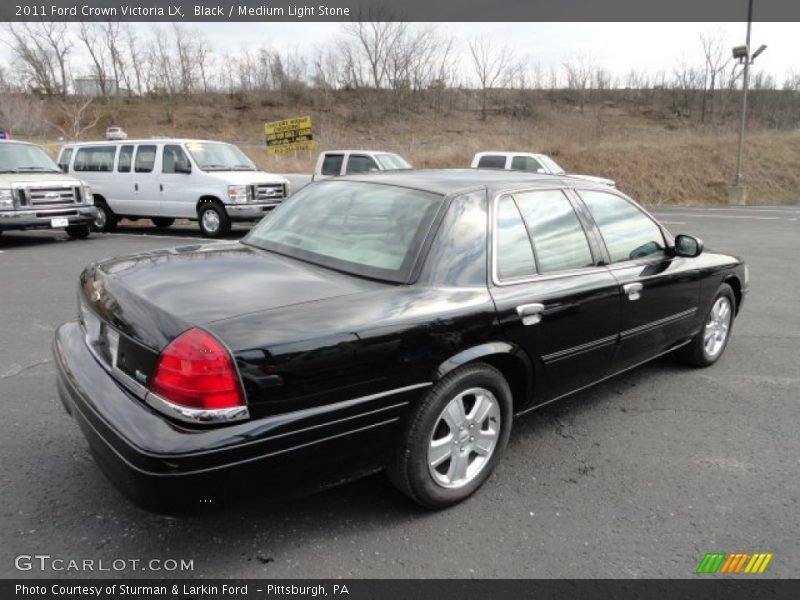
<point>35,194</point>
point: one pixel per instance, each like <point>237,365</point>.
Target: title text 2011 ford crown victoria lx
<point>394,320</point>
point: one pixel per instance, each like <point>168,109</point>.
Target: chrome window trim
<point>496,280</point>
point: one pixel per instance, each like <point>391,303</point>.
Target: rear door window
<point>332,164</point>
<point>559,242</point>
<point>145,159</point>
<point>492,161</point>
<point>513,246</point>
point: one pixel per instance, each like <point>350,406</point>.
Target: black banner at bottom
<point>399,589</point>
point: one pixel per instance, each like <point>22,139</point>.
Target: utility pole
<point>745,83</point>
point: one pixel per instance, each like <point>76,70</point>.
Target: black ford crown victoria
<point>396,321</point>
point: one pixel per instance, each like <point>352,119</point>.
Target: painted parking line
<point>672,222</point>
<point>718,216</point>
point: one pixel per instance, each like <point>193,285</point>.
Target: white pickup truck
<point>333,163</point>
<point>527,161</point>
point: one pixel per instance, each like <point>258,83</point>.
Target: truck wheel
<point>454,437</point>
<point>162,222</point>
<point>78,232</point>
<point>105,220</point>
<point>214,221</point>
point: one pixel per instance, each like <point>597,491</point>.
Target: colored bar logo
<point>734,563</point>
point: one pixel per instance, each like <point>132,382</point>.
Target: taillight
<point>195,371</point>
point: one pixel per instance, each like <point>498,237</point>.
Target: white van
<point>167,179</point>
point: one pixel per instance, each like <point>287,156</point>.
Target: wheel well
<point>516,375</point>
<point>736,286</point>
<point>98,198</point>
<point>207,200</point>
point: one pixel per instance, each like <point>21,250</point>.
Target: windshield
<point>391,162</point>
<point>367,229</point>
<point>19,158</point>
<point>219,157</point>
<point>551,165</point>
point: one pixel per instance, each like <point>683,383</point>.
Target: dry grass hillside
<point>657,155</point>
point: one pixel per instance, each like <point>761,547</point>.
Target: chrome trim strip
<point>198,416</point>
<point>656,324</point>
<point>568,352</point>
<point>602,379</point>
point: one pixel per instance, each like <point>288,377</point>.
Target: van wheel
<point>78,232</point>
<point>162,222</point>
<point>105,220</point>
<point>214,221</point>
<point>454,437</point>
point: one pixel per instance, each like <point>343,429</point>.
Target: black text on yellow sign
<point>289,135</point>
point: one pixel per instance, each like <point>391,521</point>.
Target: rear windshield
<point>492,161</point>
<point>366,229</point>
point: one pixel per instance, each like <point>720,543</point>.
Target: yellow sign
<point>289,135</point>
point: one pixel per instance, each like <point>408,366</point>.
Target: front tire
<point>709,344</point>
<point>162,222</point>
<point>214,221</point>
<point>105,220</point>
<point>455,437</point>
<point>78,232</point>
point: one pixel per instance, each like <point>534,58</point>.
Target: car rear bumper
<point>150,457</point>
<point>250,212</point>
<point>42,219</point>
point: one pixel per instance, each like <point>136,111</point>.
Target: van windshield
<point>25,158</point>
<point>215,156</point>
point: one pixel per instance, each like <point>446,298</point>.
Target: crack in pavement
<point>20,370</point>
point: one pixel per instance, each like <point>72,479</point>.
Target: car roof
<point>157,140</point>
<point>359,151</point>
<point>449,181</point>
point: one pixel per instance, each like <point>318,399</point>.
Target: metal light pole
<point>745,82</point>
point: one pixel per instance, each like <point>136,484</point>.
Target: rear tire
<point>214,221</point>
<point>78,232</point>
<point>454,437</point>
<point>105,220</point>
<point>709,344</point>
<point>162,222</point>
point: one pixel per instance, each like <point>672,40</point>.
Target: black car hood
<point>153,296</point>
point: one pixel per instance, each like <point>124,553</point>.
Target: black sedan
<point>397,321</point>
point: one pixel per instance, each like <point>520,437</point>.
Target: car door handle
<point>160,187</point>
<point>633,290</point>
<point>136,187</point>
<point>530,314</point>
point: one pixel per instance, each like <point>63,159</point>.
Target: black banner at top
<point>398,10</point>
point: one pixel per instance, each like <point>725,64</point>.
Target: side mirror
<point>688,246</point>
<point>183,167</point>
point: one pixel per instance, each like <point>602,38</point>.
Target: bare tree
<point>77,116</point>
<point>491,65</point>
<point>716,55</point>
<point>375,38</point>
<point>41,51</point>
<point>579,70</point>
<point>91,36</point>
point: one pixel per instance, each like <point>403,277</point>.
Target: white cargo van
<point>166,179</point>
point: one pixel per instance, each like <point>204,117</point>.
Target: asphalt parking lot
<point>638,477</point>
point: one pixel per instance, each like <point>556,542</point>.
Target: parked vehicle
<point>402,321</point>
<point>167,179</point>
<point>116,133</point>
<point>526,161</point>
<point>4,135</point>
<point>334,163</point>
<point>34,194</point>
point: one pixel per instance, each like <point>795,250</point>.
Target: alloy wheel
<point>717,327</point>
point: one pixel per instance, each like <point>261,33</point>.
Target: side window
<point>559,241</point>
<point>63,160</point>
<point>145,159</point>
<point>332,164</point>
<point>125,159</point>
<point>627,232</point>
<point>492,161</point>
<point>174,156</point>
<point>95,158</point>
<point>526,163</point>
<point>358,163</point>
<point>514,252</point>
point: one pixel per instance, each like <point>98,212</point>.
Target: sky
<point>617,47</point>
